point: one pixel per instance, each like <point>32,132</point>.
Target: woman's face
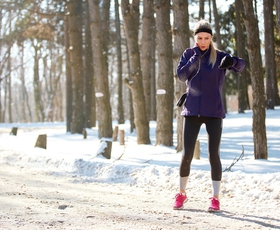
<point>203,40</point>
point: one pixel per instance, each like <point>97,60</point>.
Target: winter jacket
<point>204,83</point>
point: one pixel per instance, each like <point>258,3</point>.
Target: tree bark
<point>277,6</point>
<point>219,46</point>
<point>89,86</point>
<point>39,110</point>
<point>130,13</point>
<point>269,53</point>
<point>75,42</point>
<point>147,62</point>
<point>100,53</point>
<point>119,63</point>
<point>165,80</point>
<point>253,48</point>
<point>69,87</point>
<point>181,42</point>
<point>243,102</point>
<point>201,9</point>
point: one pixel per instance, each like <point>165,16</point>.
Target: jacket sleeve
<point>238,64</point>
<point>188,65</point>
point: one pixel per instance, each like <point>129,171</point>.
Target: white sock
<point>183,182</point>
<point>216,187</point>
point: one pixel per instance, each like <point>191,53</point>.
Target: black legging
<point>191,129</point>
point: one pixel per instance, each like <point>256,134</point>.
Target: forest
<point>91,62</point>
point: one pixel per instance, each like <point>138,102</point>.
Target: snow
<point>150,165</point>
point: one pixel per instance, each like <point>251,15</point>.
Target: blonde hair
<point>204,26</point>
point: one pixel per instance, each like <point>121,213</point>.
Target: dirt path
<point>36,200</point>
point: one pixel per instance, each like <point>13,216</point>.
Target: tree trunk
<point>104,115</point>
<point>153,110</point>
<point>89,87</point>
<point>181,42</point>
<point>277,6</point>
<point>253,48</point>
<point>201,9</point>
<point>243,102</point>
<point>22,79</point>
<point>69,87</point>
<point>219,46</point>
<point>130,103</point>
<point>165,80</point>
<point>130,13</point>
<point>39,110</point>
<point>76,57</point>
<point>147,62</point>
<point>1,19</point>
<point>119,60</point>
<point>9,79</point>
<point>269,53</point>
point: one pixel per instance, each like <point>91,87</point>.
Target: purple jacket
<point>204,83</point>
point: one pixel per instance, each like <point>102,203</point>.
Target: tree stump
<point>196,154</point>
<point>14,131</point>
<point>105,148</point>
<point>115,133</point>
<point>41,141</point>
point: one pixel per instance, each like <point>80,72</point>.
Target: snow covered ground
<point>250,181</point>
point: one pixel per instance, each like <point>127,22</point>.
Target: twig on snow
<point>236,159</point>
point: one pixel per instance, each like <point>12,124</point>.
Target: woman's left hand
<point>226,62</point>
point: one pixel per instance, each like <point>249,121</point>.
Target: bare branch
<point>236,159</point>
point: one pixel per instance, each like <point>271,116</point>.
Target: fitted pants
<point>192,126</point>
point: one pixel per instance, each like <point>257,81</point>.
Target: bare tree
<point>9,78</point>
<point>219,45</point>
<point>165,80</point>
<point>69,81</point>
<point>25,106</point>
<point>270,69</point>
<point>147,62</point>
<point>119,60</point>
<point>181,42</point>
<point>89,84</point>
<point>253,48</point>
<point>201,9</point>
<point>130,13</point>
<point>277,5</point>
<point>1,66</point>
<point>99,40</point>
<point>75,46</point>
<point>243,101</point>
<point>39,108</point>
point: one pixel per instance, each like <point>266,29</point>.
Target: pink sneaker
<point>214,205</point>
<point>180,199</point>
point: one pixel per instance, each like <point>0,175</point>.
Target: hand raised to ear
<point>226,62</point>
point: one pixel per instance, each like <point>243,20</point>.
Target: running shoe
<point>180,199</point>
<point>214,205</point>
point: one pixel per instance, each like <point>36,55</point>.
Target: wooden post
<point>197,150</point>
<point>115,133</point>
<point>14,131</point>
<point>41,141</point>
<point>105,148</point>
<point>85,133</point>
<point>121,134</point>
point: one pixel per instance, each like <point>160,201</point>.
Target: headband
<point>203,30</point>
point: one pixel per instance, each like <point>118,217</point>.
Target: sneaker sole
<point>213,210</point>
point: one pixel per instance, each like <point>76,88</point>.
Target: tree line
<point>90,62</point>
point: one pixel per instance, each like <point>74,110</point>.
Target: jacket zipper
<point>199,65</point>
